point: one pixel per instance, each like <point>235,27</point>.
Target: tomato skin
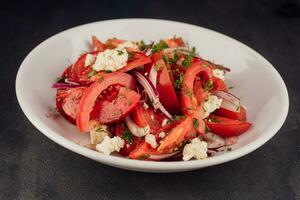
<point>114,42</point>
<point>157,56</point>
<point>119,130</point>
<point>79,67</point>
<point>67,102</point>
<point>164,86</point>
<point>88,100</point>
<point>219,84</point>
<point>142,151</point>
<point>226,127</point>
<point>182,131</point>
<point>232,115</point>
<point>138,59</point>
<point>143,117</point>
<point>119,108</point>
<point>189,103</point>
<point>98,45</point>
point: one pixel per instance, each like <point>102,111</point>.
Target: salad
<point>150,101</point>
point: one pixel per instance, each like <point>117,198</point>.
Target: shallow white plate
<point>256,81</point>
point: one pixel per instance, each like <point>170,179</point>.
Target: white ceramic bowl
<point>255,79</point>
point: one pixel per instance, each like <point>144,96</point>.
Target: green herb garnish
<point>130,54</point>
<point>230,87</point>
<point>178,82</point>
<point>189,58</point>
<point>144,157</point>
<point>143,45</point>
<point>92,73</point>
<point>59,79</point>
<point>209,85</point>
<point>120,52</point>
<point>127,136</point>
<point>108,71</point>
<point>159,46</point>
<point>214,119</point>
<point>195,123</point>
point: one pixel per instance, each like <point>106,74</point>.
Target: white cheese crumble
<point>89,60</point>
<point>98,133</point>
<point>127,44</point>
<point>145,105</point>
<point>111,60</point>
<point>162,134</point>
<point>219,73</point>
<point>196,149</point>
<point>211,104</point>
<point>150,139</point>
<point>109,145</point>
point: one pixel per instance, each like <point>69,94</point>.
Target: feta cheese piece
<point>98,133</point>
<point>109,145</point>
<point>127,44</point>
<point>196,149</point>
<point>162,134</point>
<point>145,105</point>
<point>150,139</point>
<point>218,73</point>
<point>111,60</point>
<point>89,60</point>
<point>211,104</point>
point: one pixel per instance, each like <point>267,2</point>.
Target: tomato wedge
<point>112,111</point>
<point>143,117</point>
<point>131,141</point>
<point>97,45</point>
<point>138,59</point>
<point>241,115</point>
<point>219,84</point>
<point>164,86</point>
<point>79,67</point>
<point>184,130</point>
<point>67,102</point>
<point>226,127</point>
<point>88,100</point>
<point>114,42</point>
<point>189,102</point>
<point>142,151</point>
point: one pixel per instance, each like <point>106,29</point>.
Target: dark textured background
<point>33,167</point>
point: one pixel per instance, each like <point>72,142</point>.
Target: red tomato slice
<point>114,42</point>
<point>142,151</point>
<point>164,86</point>
<point>67,102</point>
<point>88,100</point>
<point>182,131</point>
<point>232,115</point>
<point>67,72</point>
<point>143,117</point>
<point>219,84</point>
<point>189,102</point>
<point>79,67</point>
<point>138,59</point>
<point>97,45</point>
<point>131,141</point>
<point>157,56</point>
<point>175,42</point>
<point>226,127</point>
<point>110,111</point>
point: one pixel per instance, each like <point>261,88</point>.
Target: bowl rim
<point>154,165</point>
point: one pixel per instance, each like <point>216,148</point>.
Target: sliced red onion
<point>163,156</point>
<point>71,81</point>
<point>211,152</point>
<point>230,102</point>
<point>151,92</point>
<point>135,129</point>
<point>221,67</point>
<point>231,140</point>
<point>63,85</point>
<point>214,141</point>
<point>153,75</point>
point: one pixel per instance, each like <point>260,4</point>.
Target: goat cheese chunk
<point>196,149</point>
<point>150,139</point>
<point>211,104</point>
<point>218,73</point>
<point>127,44</point>
<point>162,134</point>
<point>109,145</point>
<point>98,134</point>
<point>111,60</point>
<point>89,60</point>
